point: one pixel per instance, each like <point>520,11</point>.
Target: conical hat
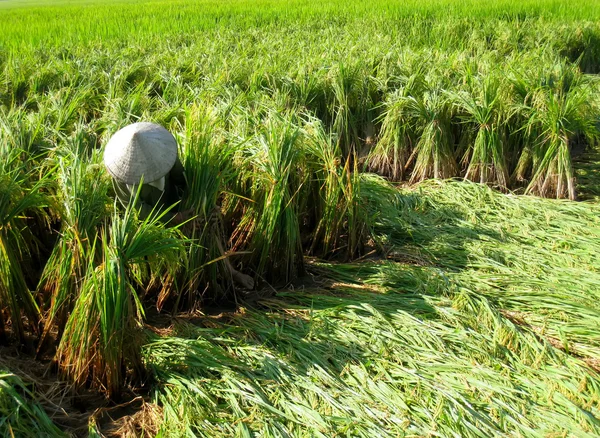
<point>140,149</point>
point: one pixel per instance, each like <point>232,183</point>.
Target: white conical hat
<point>140,149</point>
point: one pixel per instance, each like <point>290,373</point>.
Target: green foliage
<point>409,104</point>
<point>82,198</point>
<point>103,335</point>
<point>483,320</point>
<point>21,195</point>
<point>207,159</point>
<point>391,153</point>
<point>434,154</point>
<point>561,109</point>
<point>335,186</point>
<point>20,415</point>
<point>270,225</point>
<point>482,107</point>
<point>278,108</point>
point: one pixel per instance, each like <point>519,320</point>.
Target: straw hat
<point>140,149</point>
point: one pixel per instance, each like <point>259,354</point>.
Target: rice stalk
<point>560,118</point>
<point>390,155</point>
<point>339,224</point>
<point>20,414</point>
<point>481,105</point>
<point>555,106</point>
<point>21,195</point>
<point>103,336</point>
<point>433,154</point>
<point>348,107</point>
<point>270,226</point>
<point>208,163</point>
<point>83,194</point>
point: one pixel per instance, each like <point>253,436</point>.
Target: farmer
<point>147,153</point>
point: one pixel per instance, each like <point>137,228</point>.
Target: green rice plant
<point>16,82</point>
<point>20,414</point>
<point>22,129</point>
<point>559,111</point>
<point>340,227</point>
<point>103,334</point>
<point>209,170</point>
<point>125,108</point>
<point>581,48</point>
<point>348,107</point>
<point>328,167</point>
<point>82,203</point>
<point>308,89</point>
<point>481,107</point>
<point>523,84</point>
<point>383,213</point>
<point>434,153</point>
<point>397,139</point>
<point>509,250</point>
<point>66,107</point>
<point>396,349</point>
<point>21,196</point>
<point>269,226</point>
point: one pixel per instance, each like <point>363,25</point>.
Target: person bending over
<point>146,153</point>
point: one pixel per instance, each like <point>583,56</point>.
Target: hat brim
<point>140,151</point>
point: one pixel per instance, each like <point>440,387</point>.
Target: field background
<point>424,307</point>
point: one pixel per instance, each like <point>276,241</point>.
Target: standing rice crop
<point>557,110</point>
<point>349,106</point>
<point>103,335</point>
<point>270,225</point>
<point>397,138</point>
<point>209,169</point>
<point>82,202</point>
<point>434,153</point>
<point>21,195</point>
<point>560,118</point>
<point>481,109</point>
<point>334,182</point>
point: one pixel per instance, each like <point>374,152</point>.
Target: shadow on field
<point>426,232</point>
<point>321,320</point>
<point>314,320</point>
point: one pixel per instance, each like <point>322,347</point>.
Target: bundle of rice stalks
<point>22,129</point>
<point>434,153</point>
<point>21,195</point>
<point>481,108</point>
<point>102,336</point>
<point>557,111</point>
<point>334,182</point>
<point>390,155</point>
<point>208,163</point>
<point>269,225</point>
<point>82,195</point>
<point>349,105</point>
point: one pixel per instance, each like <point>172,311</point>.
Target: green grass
<point>22,416</point>
<point>40,22</point>
<point>438,307</point>
<point>491,330</point>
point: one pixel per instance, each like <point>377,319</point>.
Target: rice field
<point>412,186</point>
